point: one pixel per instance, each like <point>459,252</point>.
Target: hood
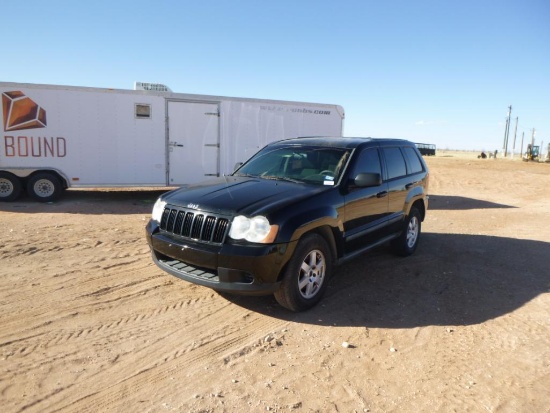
<point>241,195</point>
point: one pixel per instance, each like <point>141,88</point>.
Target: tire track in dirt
<point>85,338</point>
<point>76,302</point>
<point>157,361</point>
<point>119,293</point>
<point>30,243</point>
<point>76,296</point>
<point>215,347</point>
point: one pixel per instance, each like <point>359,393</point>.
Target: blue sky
<point>442,72</point>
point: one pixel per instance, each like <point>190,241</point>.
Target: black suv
<point>281,221</point>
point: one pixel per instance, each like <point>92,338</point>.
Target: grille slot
<point>194,225</point>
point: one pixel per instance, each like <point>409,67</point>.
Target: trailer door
<point>193,142</point>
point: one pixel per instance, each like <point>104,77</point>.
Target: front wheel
<point>44,187</point>
<point>407,242</point>
<point>306,277</point>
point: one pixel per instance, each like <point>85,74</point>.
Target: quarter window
<point>414,162</point>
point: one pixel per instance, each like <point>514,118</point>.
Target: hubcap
<point>412,232</point>
<point>43,188</point>
<point>312,274</point>
<point>6,187</point>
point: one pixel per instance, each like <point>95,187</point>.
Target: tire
<point>307,274</point>
<point>10,187</point>
<point>44,187</point>
<point>407,242</point>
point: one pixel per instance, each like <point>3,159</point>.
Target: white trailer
<point>56,137</point>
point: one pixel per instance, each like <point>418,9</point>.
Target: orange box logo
<point>21,112</point>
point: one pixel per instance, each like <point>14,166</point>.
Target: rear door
<point>193,142</point>
<point>398,185</point>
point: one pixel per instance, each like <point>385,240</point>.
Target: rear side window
<point>414,163</point>
<point>395,162</point>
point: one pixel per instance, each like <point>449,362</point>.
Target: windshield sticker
<point>330,183</point>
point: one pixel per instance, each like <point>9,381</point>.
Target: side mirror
<point>237,166</point>
<point>366,180</point>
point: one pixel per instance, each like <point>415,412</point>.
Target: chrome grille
<point>194,224</point>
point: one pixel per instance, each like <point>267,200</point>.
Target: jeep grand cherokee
<point>283,219</point>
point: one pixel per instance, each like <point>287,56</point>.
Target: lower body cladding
<point>239,269</point>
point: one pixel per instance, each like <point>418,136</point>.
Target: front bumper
<point>248,269</point>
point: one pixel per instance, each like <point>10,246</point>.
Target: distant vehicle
<point>427,149</point>
<point>532,153</point>
<point>57,137</point>
<point>279,222</point>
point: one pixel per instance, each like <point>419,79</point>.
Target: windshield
<point>309,164</point>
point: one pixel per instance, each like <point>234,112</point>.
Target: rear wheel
<point>10,187</point>
<point>306,277</point>
<point>44,187</point>
<point>407,242</point>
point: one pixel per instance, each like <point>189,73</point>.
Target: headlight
<point>158,209</point>
<point>256,229</point>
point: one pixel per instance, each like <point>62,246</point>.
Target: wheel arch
<point>60,175</point>
<point>329,234</point>
<point>419,204</point>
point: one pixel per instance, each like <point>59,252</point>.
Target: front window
<point>310,164</point>
<point>368,161</point>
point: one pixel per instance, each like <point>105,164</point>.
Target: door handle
<point>381,194</point>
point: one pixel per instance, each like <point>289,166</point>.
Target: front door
<point>193,142</point>
<point>366,210</point>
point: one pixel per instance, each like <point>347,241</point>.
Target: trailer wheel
<point>10,187</point>
<point>44,187</point>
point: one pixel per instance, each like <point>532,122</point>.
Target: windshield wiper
<point>246,175</point>
<point>282,178</point>
<point>270,177</point>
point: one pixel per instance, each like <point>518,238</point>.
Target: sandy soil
<point>89,324</point>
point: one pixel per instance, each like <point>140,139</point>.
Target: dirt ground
<point>89,324</point>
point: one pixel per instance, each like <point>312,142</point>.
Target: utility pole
<point>515,133</point>
<point>505,136</point>
<point>507,131</point>
<point>521,148</point>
